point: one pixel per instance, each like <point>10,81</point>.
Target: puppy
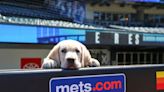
<point>69,54</point>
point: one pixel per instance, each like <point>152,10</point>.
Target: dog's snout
<point>71,60</point>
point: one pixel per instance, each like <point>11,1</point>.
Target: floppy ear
<point>86,57</point>
<point>54,54</point>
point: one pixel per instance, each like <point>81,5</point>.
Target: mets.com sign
<point>91,83</point>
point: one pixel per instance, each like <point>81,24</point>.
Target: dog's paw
<point>49,64</point>
<point>95,63</point>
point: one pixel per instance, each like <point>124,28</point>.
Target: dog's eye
<point>63,50</point>
<point>77,51</point>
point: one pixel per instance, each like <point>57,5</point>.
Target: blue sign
<point>145,0</point>
<point>38,34</point>
<point>91,83</point>
<point>153,37</point>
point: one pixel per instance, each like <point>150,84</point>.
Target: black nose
<point>71,60</point>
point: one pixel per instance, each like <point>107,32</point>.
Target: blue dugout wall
<point>140,78</point>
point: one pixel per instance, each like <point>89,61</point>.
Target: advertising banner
<point>91,83</point>
<point>52,35</point>
<point>30,63</point>
<point>116,38</point>
<point>160,81</point>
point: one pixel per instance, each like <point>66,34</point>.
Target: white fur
<point>69,54</point>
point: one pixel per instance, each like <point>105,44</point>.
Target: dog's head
<point>70,54</point>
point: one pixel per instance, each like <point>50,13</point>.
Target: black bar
<point>139,78</point>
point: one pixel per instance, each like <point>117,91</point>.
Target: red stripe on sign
<point>160,80</point>
<point>160,86</point>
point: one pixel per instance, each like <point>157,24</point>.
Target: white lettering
<point>116,38</point>
<point>62,88</point>
<point>81,87</point>
<point>130,39</point>
<point>74,88</point>
<point>97,37</point>
<point>87,87</point>
<point>137,41</point>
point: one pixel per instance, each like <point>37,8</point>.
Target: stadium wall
<point>16,58</point>
<point>11,58</point>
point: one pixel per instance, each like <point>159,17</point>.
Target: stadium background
<point>29,29</point>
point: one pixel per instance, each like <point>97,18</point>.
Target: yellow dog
<point>69,54</point>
